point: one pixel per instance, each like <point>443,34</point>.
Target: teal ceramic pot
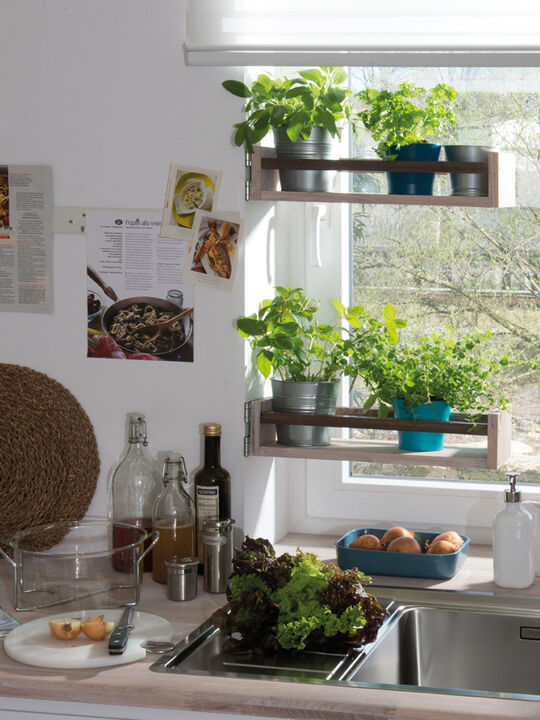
<point>421,441</point>
<point>414,183</point>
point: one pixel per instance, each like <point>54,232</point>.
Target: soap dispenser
<point>513,541</point>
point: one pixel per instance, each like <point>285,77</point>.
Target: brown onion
<point>65,628</point>
<point>366,542</point>
<point>96,629</point>
<point>395,532</point>
<point>451,537</point>
<point>441,547</point>
<point>405,544</point>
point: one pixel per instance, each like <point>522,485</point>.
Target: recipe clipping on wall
<point>26,238</point>
<point>142,267</point>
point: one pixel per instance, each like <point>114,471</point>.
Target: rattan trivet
<point>49,461</point>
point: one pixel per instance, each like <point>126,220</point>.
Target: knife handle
<point>118,640</point>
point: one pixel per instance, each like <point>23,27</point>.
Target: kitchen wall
<point>98,89</point>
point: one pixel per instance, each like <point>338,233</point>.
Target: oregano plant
<point>440,366</point>
<point>410,114</point>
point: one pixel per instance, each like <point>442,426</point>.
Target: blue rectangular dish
<point>381,562</point>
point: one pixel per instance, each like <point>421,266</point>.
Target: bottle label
<point>207,504</point>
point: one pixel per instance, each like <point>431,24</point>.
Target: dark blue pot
<point>414,183</point>
<point>421,441</point>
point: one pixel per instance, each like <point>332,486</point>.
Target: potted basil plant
<point>305,112</point>
<point>424,380</point>
<point>303,356</point>
<point>307,358</point>
<point>403,122</point>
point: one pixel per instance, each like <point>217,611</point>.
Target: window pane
<point>470,267</point>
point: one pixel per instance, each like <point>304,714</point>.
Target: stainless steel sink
<point>432,641</point>
<point>440,648</point>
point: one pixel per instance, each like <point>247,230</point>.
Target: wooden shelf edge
<point>501,183</point>
<point>385,452</point>
<point>496,453</point>
<point>375,199</point>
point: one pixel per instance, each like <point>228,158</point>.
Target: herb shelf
<point>495,426</point>
<point>263,183</point>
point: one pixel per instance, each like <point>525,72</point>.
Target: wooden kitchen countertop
<point>133,685</point>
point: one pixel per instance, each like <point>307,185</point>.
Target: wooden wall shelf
<point>495,426</point>
<point>500,169</point>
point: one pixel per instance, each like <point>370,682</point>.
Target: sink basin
<point>458,650</point>
<point>432,641</point>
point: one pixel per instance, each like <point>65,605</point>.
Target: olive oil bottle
<point>212,485</point>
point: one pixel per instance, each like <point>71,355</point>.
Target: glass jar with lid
<point>135,486</point>
<point>173,517</point>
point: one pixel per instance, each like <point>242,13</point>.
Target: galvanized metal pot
<point>468,184</point>
<point>320,146</point>
<point>304,397</point>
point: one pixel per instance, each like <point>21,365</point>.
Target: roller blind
<point>356,32</point>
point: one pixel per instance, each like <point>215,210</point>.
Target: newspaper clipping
<point>138,306</point>
<point>26,239</point>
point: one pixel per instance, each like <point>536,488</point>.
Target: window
<point>469,267</point>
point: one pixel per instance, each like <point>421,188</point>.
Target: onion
<point>96,629</point>
<point>65,628</point>
<point>366,542</point>
<point>441,547</point>
<point>405,544</point>
<point>393,533</point>
<point>451,537</point>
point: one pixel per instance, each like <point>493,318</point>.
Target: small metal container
<point>182,578</point>
<point>217,537</point>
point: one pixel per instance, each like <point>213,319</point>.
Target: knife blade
<point>119,636</point>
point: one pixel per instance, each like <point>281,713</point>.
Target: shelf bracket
<point>247,428</point>
<point>248,176</point>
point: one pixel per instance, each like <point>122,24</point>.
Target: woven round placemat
<point>49,461</point>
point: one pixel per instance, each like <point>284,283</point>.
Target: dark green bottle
<point>212,485</point>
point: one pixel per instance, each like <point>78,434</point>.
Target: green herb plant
<point>440,366</point>
<point>410,114</point>
<point>294,602</point>
<point>314,98</point>
<point>291,344</point>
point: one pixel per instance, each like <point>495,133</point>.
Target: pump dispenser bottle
<point>513,541</point>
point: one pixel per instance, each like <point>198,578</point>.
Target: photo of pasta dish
<point>137,317</point>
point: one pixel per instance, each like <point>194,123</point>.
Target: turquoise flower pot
<point>421,441</point>
<point>414,183</point>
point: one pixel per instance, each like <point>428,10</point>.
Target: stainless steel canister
<point>217,537</point>
<point>182,578</point>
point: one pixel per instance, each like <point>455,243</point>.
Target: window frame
<point>322,496</point>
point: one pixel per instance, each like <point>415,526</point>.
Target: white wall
<point>99,90</point>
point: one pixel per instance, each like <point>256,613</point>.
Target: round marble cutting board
<point>32,644</point>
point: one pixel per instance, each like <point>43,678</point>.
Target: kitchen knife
<point>119,636</point>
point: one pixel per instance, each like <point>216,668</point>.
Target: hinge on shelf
<point>247,428</point>
<point>248,177</point>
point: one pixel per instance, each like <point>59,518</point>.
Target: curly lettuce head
<point>296,602</point>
